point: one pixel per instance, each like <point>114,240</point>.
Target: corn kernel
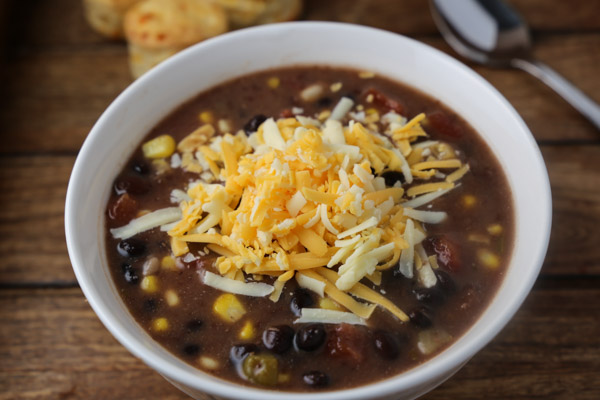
<point>160,166</point>
<point>488,259</point>
<point>495,229</point>
<point>168,262</point>
<point>324,115</point>
<point>478,238</point>
<point>207,117</point>
<point>366,74</point>
<point>247,331</point>
<point>469,200</point>
<point>224,126</point>
<point>229,308</point>
<point>159,147</point>
<point>171,298</point>
<point>273,82</point>
<point>160,324</point>
<point>335,87</point>
<point>149,284</point>
<point>328,304</point>
<point>208,362</point>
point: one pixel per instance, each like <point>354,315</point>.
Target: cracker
<point>106,16</point>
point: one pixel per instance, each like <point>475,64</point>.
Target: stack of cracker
<point>157,29</point>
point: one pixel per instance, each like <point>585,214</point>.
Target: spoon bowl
<point>491,33</point>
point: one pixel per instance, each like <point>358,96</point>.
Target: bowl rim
<point>418,375</point>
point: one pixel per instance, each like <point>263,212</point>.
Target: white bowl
<point>142,105</point>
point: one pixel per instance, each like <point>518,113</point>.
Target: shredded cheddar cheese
<point>302,198</point>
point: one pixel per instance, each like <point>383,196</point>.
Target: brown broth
<point>239,100</point>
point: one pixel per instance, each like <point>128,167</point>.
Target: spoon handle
<point>585,105</point>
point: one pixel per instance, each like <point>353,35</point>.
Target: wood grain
<point>67,91</point>
<point>61,22</point>
<point>61,359</point>
<point>32,239</point>
<point>550,350</point>
<point>32,194</point>
<point>47,358</point>
<point>57,76</point>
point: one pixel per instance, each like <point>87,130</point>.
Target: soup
<point>309,228</point>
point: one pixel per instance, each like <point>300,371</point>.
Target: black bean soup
<point>452,267</point>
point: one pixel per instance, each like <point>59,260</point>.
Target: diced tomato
<point>286,113</point>
<point>443,124</point>
<point>447,252</point>
<point>123,209</point>
<point>384,101</point>
<point>347,343</point>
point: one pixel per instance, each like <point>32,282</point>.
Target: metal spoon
<point>491,33</point>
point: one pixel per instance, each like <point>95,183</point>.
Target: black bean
<point>351,96</point>
<point>324,102</point>
<point>386,345</point>
<point>445,282</point>
<point>315,379</point>
<point>432,297</point>
<point>150,306</point>
<point>278,339</point>
<point>194,325</point>
<point>130,274</point>
<point>191,349</point>
<point>131,247</point>
<point>252,125</point>
<point>420,318</point>
<point>132,185</point>
<point>310,337</point>
<point>140,167</point>
<point>239,351</point>
<point>391,177</point>
<point>301,298</point>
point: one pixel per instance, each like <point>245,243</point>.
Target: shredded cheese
<point>146,222</point>
<point>307,199</point>
<point>256,289</point>
<point>325,316</point>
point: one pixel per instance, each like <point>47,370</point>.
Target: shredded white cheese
<point>341,109</point>
<point>311,284</point>
<point>408,255</point>
<point>254,289</point>
<point>429,217</point>
<point>146,222</point>
<point>424,199</point>
<point>324,316</point>
<point>272,136</point>
<point>371,222</point>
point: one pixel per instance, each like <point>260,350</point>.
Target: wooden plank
<point>32,239</point>
<point>412,17</point>
<point>54,97</point>
<point>52,345</point>
<point>576,203</point>
<point>61,22</point>
<point>32,193</point>
<point>548,116</point>
<point>550,350</point>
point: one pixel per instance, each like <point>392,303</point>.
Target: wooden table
<point>58,76</point>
